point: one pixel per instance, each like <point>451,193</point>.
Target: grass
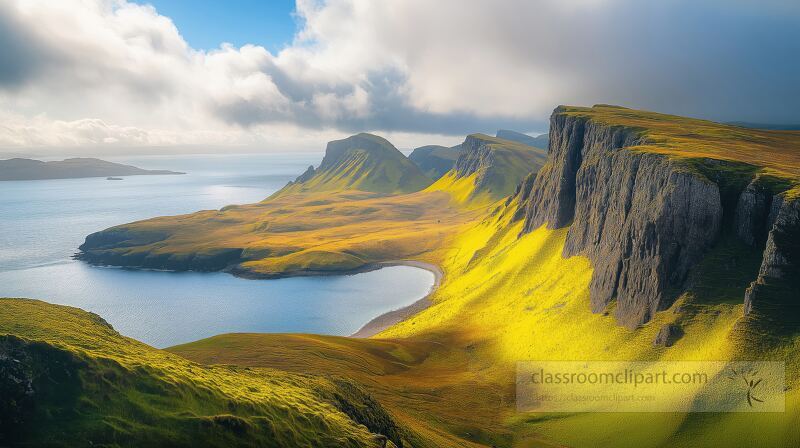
<point>445,377</point>
<point>772,153</point>
<point>502,169</point>
<point>88,383</point>
<point>294,233</point>
<point>363,162</point>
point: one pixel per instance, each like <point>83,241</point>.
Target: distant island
<point>79,167</point>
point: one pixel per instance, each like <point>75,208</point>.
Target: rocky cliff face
<point>775,294</point>
<point>643,219</point>
<point>497,164</point>
<point>476,152</point>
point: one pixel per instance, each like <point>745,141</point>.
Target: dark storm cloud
<point>22,57</point>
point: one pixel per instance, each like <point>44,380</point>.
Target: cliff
<point>435,160</point>
<point>644,209</point>
<point>362,162</point>
<point>489,168</point>
<point>773,295</point>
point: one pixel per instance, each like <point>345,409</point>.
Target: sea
<point>43,222</point>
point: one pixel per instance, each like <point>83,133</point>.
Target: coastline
<point>386,320</point>
<point>371,328</point>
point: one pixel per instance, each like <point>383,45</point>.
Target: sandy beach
<point>390,318</point>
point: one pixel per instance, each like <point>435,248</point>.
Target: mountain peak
<point>365,162</point>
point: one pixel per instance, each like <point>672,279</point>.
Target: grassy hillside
<point>69,378</point>
<point>506,298</point>
<point>489,169</point>
<point>287,235</point>
<point>450,369</point>
<point>363,162</point>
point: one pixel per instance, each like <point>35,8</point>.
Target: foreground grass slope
<point>69,379</point>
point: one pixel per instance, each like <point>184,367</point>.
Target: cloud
<point>111,72</point>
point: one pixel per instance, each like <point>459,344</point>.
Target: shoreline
<point>386,320</point>
<point>371,328</point>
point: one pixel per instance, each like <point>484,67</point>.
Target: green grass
<point>362,162</point>
<point>88,383</point>
<point>775,154</point>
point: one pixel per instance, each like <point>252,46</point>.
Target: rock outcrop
<point>775,294</point>
<point>668,335</point>
<point>645,219</point>
<point>497,165</point>
<point>642,219</point>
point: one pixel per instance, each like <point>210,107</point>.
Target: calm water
<point>43,222</point>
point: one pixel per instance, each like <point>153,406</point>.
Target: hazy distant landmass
<point>540,141</point>
<point>30,169</point>
<point>769,126</point>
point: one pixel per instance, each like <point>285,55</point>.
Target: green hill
<point>489,169</point>
<point>362,162</point>
<point>68,379</point>
<point>435,160</point>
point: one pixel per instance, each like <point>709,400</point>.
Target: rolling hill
<point>68,378</point>
<point>363,162</point>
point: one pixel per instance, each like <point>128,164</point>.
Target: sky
<point>115,75</point>
<point>205,24</point>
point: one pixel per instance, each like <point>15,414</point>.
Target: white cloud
<point>113,73</point>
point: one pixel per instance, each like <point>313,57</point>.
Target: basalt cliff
<point>646,211</point>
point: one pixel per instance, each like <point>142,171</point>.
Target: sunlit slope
<point>488,169</point>
<point>287,235</point>
<point>69,379</point>
<point>424,384</point>
<point>505,298</point>
<point>363,162</point>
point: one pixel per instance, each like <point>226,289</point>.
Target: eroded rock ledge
<point>644,219</point>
